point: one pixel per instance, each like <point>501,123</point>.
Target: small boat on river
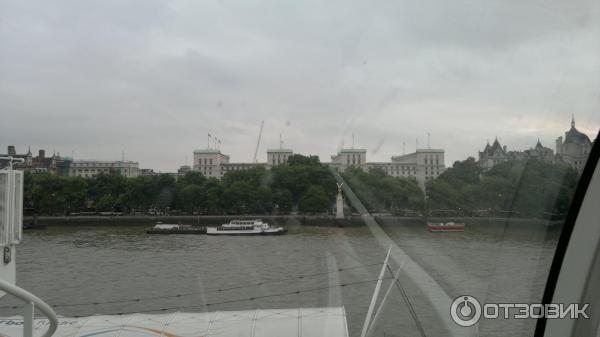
<point>161,228</point>
<point>446,227</point>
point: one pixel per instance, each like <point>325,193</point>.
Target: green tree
<point>106,202</point>
<point>238,197</point>
<point>241,191</point>
<point>191,198</point>
<point>73,193</point>
<point>315,200</point>
<point>192,178</point>
<point>299,174</point>
<point>282,199</point>
<point>530,188</point>
<point>379,191</point>
<point>262,202</point>
<point>214,196</point>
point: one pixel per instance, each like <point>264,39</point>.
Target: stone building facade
<point>492,155</point>
<point>422,165</point>
<point>90,168</point>
<point>278,156</point>
<point>574,149</point>
<point>41,163</point>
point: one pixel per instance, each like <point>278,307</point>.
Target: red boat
<point>446,227</point>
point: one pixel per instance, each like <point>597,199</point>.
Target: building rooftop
<point>352,150</point>
<point>388,163</point>
<point>243,164</point>
<point>208,151</point>
<point>103,161</point>
<point>574,136</point>
<point>429,150</point>
<point>280,150</point>
<point>419,151</point>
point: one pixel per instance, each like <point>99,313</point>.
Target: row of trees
<point>530,188</point>
<point>303,184</point>
<point>526,188</point>
<point>381,192</point>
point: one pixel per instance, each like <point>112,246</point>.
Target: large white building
<point>422,165</point>
<point>278,156</point>
<point>349,157</point>
<point>213,163</point>
<point>210,162</point>
<point>90,168</point>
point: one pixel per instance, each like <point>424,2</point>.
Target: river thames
<point>90,270</point>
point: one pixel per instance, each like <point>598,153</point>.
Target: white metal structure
<point>11,207</point>
<point>11,218</point>
<point>31,303</point>
<point>367,323</point>
<point>314,322</point>
<point>11,232</point>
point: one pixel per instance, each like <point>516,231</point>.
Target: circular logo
<point>465,310</point>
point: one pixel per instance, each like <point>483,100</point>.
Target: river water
<point>80,269</point>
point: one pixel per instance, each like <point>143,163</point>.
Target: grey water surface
<point>119,269</point>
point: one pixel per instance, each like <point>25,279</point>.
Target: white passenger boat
<point>245,227</point>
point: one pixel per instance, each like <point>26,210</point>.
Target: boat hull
<point>434,229</point>
<point>446,228</point>
<point>176,231</point>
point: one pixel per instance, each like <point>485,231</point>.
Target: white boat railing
<point>31,303</point>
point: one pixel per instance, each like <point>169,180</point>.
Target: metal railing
<point>11,232</point>
<point>31,303</point>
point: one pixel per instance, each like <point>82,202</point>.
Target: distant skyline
<point>371,152</point>
<point>153,78</point>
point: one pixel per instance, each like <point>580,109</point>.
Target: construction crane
<point>262,123</point>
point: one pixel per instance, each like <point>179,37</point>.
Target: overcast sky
<point>153,78</point>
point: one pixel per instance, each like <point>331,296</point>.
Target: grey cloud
<point>154,77</point>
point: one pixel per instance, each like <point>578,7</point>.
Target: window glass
<point>454,133</point>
